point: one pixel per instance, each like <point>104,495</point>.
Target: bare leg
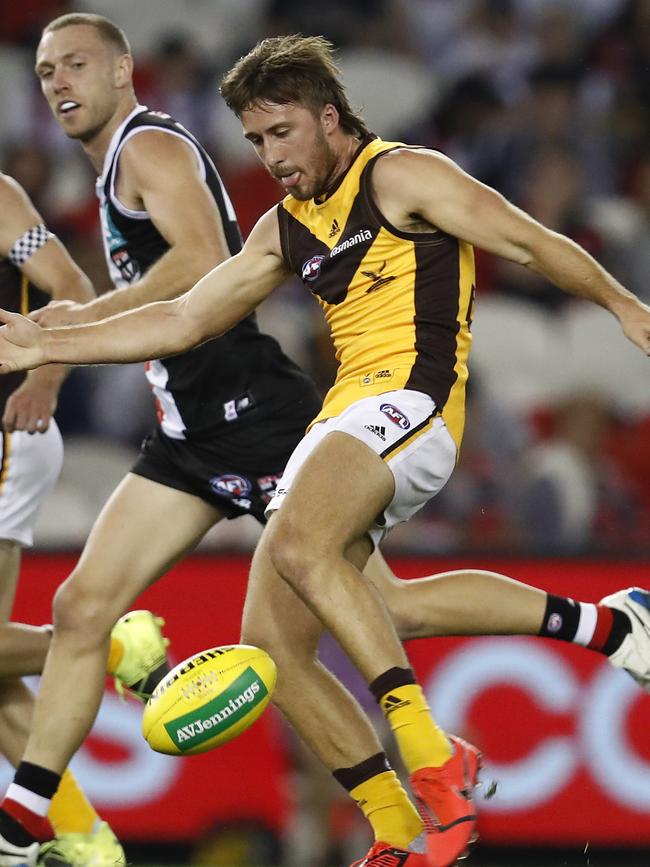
<point>463,602</point>
<point>22,651</point>
<point>141,532</point>
<point>316,704</point>
<point>23,648</point>
<point>16,709</point>
<point>336,496</point>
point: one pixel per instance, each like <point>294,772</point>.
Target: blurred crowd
<point>546,100</point>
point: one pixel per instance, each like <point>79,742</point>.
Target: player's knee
<point>297,562</point>
<point>285,552</point>
<point>78,608</point>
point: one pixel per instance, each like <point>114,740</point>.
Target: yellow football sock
<point>115,655</point>
<point>70,811</point>
<point>387,807</point>
<point>421,743</point>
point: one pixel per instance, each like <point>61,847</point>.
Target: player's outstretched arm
<point>217,302</point>
<point>440,193</point>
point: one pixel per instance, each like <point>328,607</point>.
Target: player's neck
<point>96,147</point>
<point>346,151</point>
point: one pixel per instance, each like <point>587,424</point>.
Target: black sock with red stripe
<point>596,627</point>
<point>23,812</point>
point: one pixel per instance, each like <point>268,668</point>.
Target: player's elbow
<point>186,328</point>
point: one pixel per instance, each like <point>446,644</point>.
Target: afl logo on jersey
<point>231,485</point>
<point>395,415</point>
<point>311,269</point>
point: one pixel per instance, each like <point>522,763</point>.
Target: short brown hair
<point>110,32</point>
<point>290,69</point>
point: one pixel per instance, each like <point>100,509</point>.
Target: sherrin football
<point>208,699</point>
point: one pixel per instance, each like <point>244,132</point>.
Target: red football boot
<point>383,855</point>
<point>444,801</point>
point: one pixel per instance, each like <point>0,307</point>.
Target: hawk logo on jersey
<point>378,280</point>
<point>335,229</point>
<point>231,486</point>
<point>311,269</point>
<point>395,415</point>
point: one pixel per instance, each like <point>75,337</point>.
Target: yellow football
<point>208,699</point>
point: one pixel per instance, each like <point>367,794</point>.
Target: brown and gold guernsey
<point>398,304</point>
<point>18,296</point>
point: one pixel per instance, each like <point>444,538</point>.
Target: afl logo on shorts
<point>311,269</point>
<point>395,415</point>
<point>231,485</point>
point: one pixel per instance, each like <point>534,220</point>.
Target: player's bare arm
<point>31,406</point>
<point>218,301</point>
<point>182,209</point>
<point>50,267</point>
<point>418,190</point>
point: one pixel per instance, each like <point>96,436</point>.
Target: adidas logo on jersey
<point>377,429</point>
<point>335,229</point>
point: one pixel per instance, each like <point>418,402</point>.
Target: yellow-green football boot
<point>144,658</point>
<point>101,848</point>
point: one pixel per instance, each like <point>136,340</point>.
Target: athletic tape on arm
<point>28,243</point>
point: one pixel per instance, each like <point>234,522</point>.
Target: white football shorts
<point>402,428</point>
<point>29,466</point>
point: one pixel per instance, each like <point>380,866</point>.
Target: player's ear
<point>329,118</point>
<point>123,70</point>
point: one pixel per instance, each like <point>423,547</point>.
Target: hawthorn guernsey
<point>208,699</point>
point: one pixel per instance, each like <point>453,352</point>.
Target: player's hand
<point>57,314</point>
<point>30,407</point>
<point>635,323</point>
<point>21,343</point>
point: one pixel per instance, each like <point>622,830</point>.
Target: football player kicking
<point>33,266</point>
<point>396,284</point>
<point>230,412</point>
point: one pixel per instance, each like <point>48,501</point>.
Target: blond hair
<point>110,32</point>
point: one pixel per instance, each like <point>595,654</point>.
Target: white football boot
<point>634,653</point>
<point>17,856</point>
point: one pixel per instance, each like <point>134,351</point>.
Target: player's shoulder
<point>401,177</point>
<point>148,141</point>
<point>151,151</point>
<point>408,159</point>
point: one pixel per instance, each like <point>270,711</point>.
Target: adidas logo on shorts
<point>377,429</point>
